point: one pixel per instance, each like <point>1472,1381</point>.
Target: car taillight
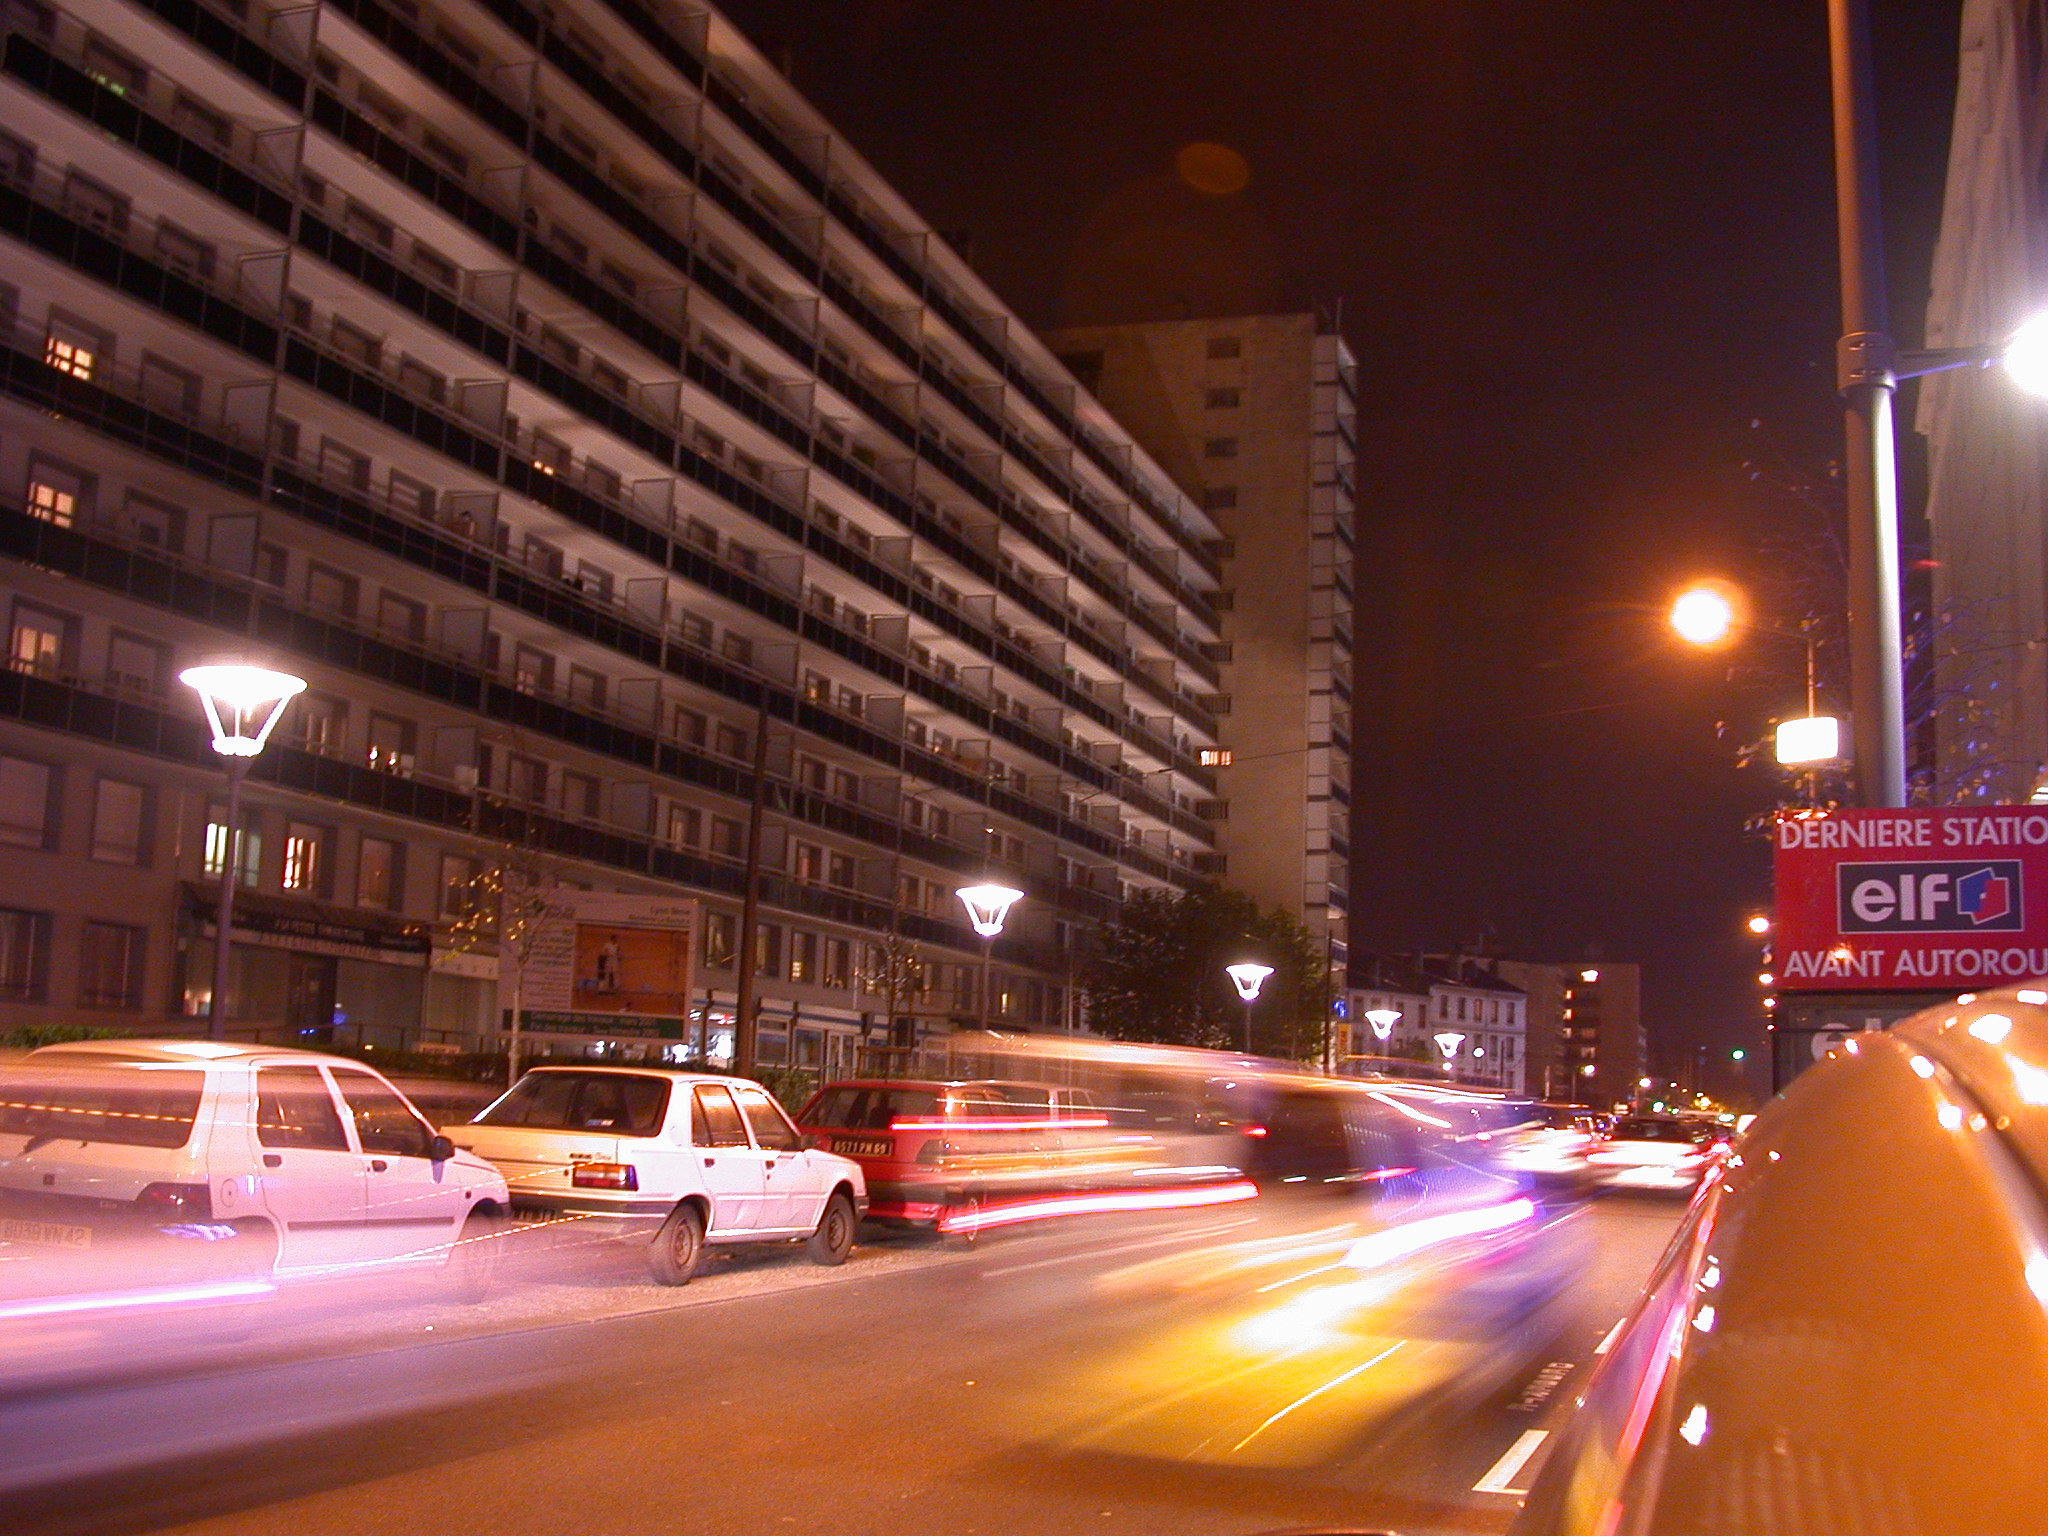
<point>933,1150</point>
<point>605,1176</point>
<point>1255,1130</point>
<point>183,1202</point>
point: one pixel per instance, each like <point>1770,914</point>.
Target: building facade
<point>1384,985</point>
<point>1478,1022</point>
<point>1585,1028</point>
<point>646,494</point>
<point>1987,499</point>
<point>1256,416</point>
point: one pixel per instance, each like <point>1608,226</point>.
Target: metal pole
<point>1866,375</point>
<point>224,908</point>
<point>988,945</point>
<point>744,1025</point>
<point>1247,1026</point>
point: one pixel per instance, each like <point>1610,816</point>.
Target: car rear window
<point>869,1109</point>
<point>1651,1130</point>
<point>131,1107</point>
<point>613,1104</point>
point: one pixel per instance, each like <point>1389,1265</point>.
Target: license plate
<point>46,1234</point>
<point>846,1146</point>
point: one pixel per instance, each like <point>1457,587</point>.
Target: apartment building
<point>1586,1043</point>
<point>618,458</point>
<point>1256,416</point>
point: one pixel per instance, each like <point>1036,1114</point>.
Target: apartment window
<point>401,616</point>
<point>379,873</point>
<point>839,870</point>
<point>434,267</point>
<point>594,580</point>
<point>558,346</point>
<point>113,68</point>
<point>807,862</point>
<point>728,838</point>
<point>526,779</point>
<point>1225,346</point>
<point>845,785</point>
<point>352,341</point>
<point>184,250</point>
<point>365,225</point>
<point>75,349</point>
<point>445,151</point>
<point>416,376</point>
<point>318,722</point>
<point>1220,399</point>
<point>411,495</point>
<point>202,122</point>
<point>620,278</point>
<point>92,202</point>
<point>539,555</point>
<point>56,493</point>
<point>729,740</point>
<point>1219,448</point>
<point>1219,498</point>
<point>803,956</point>
<point>533,671</point>
<point>273,564</point>
<point>26,819</point>
<point>306,858</point>
<point>136,664</point>
<point>17,159</point>
<point>586,688</point>
<point>1215,757</point>
<point>836,970</point>
<point>149,521</point>
<point>611,381</point>
<point>110,965</point>
<point>684,826</point>
<point>331,590</point>
<point>248,847</point>
<point>460,895</point>
<point>394,743</point>
<point>737,648</point>
<point>695,630</point>
<point>24,956</point>
<point>768,950</point>
<point>338,461</point>
<point>721,941</point>
<point>168,387</point>
<point>582,795</point>
<point>380,104</point>
<point>688,726</point>
<point>42,643</point>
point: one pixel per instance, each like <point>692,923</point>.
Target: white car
<point>702,1159</point>
<point>264,1158</point>
<point>1653,1152</point>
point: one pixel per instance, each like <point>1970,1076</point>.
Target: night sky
<point>1584,250</point>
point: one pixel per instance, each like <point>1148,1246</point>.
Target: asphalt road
<point>1192,1373</point>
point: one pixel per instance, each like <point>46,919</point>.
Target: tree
<point>506,908</point>
<point>1156,974</point>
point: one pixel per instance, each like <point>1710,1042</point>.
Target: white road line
<point>1608,1343</point>
<point>1501,1475</point>
<point>1081,1255</point>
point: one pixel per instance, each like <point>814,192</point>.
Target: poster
<point>608,963</point>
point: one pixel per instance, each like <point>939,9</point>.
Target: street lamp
<point>987,906</point>
<point>1248,976</point>
<point>1759,925</point>
<point>1382,1021</point>
<point>1448,1042</point>
<point>243,705</point>
<point>1707,614</point>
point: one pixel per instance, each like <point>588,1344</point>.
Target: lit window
<point>52,502</point>
<point>1215,757</point>
<point>67,356</point>
<point>303,863</point>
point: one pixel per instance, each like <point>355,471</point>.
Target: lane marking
<point>1500,1477</point>
<point>1309,1397</point>
<point>1612,1334</point>
<point>1082,1255</point>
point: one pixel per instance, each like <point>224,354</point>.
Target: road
<point>1190,1373</point>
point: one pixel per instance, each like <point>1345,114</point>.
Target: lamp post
<point>1706,615</point>
<point>987,906</point>
<point>243,705</point>
<point>1248,976</point>
<point>1382,1021</point>
<point>1448,1042</point>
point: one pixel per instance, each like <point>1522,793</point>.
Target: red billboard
<point>1911,900</point>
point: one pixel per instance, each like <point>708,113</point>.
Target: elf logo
<point>1976,897</point>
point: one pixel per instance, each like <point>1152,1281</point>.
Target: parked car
<point>1847,1333</point>
<point>690,1157</point>
<point>207,1156</point>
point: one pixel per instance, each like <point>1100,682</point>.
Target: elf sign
<point>1912,900</point>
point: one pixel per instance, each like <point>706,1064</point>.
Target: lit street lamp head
<point>1448,1042</point>
<point>1382,1021</point>
<point>243,704</point>
<point>2026,356</point>
<point>1703,615</point>
<point>1248,976</point>
<point>987,906</point>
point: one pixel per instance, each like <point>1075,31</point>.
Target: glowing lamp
<point>1813,739</point>
<point>1448,1042</point>
<point>987,906</point>
<point>243,704</point>
<point>1759,925</point>
<point>1589,975</point>
<point>1703,616</point>
<point>1382,1021</point>
<point>2026,356</point>
<point>1248,976</point>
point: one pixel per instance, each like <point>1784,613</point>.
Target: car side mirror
<point>439,1149</point>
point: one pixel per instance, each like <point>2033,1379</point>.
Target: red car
<point>929,1149</point>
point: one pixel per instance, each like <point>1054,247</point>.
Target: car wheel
<point>833,1240</point>
<point>473,1261</point>
<point>673,1256</point>
<point>960,1226</point>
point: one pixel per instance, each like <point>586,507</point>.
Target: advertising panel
<point>609,963</point>
<point>1911,900</point>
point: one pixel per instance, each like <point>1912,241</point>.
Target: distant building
<point>1987,442</point>
<point>1470,999</point>
<point>1256,417</point>
<point>1379,984</point>
<point>1585,1028</point>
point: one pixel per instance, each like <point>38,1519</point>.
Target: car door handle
<point>378,1165</point>
<point>272,1160</point>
